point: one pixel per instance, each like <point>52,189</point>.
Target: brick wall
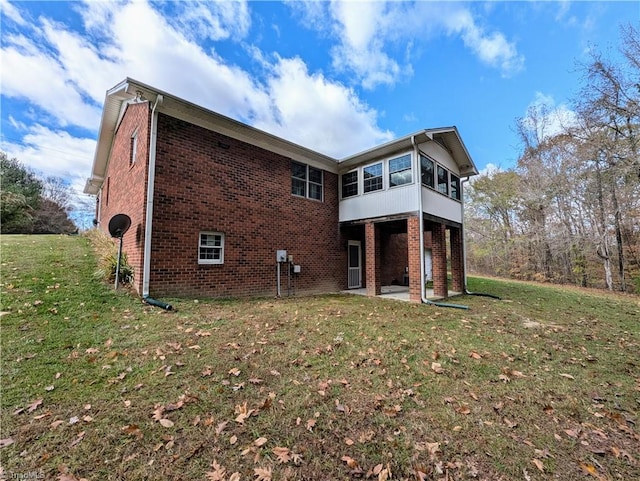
<point>206,181</point>
<point>439,259</point>
<point>373,259</point>
<point>394,258</point>
<point>457,258</point>
<point>413,236</point>
<point>125,185</point>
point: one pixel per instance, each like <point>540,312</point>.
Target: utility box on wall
<point>296,269</point>
<point>281,255</point>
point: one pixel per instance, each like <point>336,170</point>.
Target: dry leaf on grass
<point>167,423</point>
<point>538,464</point>
<point>218,472</point>
<point>282,454</point>
<point>260,442</point>
<point>262,474</point>
<point>6,442</point>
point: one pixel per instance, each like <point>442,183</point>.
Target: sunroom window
<point>400,171</point>
<point>455,187</point>
<point>372,177</point>
<point>443,180</point>
<point>427,171</point>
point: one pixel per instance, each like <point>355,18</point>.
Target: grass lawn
<point>543,384</point>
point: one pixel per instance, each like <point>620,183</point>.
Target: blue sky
<point>337,77</point>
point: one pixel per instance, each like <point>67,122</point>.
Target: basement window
<point>400,171</point>
<point>211,248</point>
<point>306,181</point>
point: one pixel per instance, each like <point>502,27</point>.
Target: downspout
<point>146,267</point>
<point>423,291</point>
<point>464,249</point>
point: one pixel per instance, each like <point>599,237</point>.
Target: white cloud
<point>215,20</point>
<point>11,12</point>
<point>33,74</point>
<point>367,33</point>
<point>550,119</point>
<point>491,48</point>
<point>314,112</point>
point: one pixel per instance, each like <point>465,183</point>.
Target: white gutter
<point>464,234</point>
<point>146,261</point>
<point>416,155</point>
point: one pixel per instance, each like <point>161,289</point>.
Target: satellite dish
<point>119,224</point>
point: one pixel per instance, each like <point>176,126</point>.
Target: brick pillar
<point>439,260</point>
<point>413,248</point>
<point>457,258</point>
<point>372,259</point>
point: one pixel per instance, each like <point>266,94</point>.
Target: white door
<point>428,266</point>
<point>355,265</point>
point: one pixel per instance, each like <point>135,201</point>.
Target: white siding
<point>439,205</point>
<point>440,155</point>
<point>396,200</point>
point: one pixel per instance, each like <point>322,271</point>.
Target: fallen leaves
<point>262,474</point>
<point>167,423</point>
<point>243,413</point>
<point>538,464</point>
<point>6,442</point>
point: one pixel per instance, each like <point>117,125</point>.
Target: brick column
<point>439,260</point>
<point>457,258</point>
<point>414,247</point>
<point>372,259</point>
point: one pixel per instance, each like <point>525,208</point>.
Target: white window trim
<point>389,173</point>
<point>308,182</point>
<point>134,147</point>
<point>200,246</point>
<point>382,174</point>
<point>358,181</point>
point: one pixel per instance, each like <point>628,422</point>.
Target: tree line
<point>30,205</point>
<point>569,211</point>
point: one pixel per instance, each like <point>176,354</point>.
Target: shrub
<point>107,251</point>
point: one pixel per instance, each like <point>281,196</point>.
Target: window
<point>400,171</point>
<point>455,187</point>
<point>350,184</point>
<point>134,148</point>
<point>211,248</point>
<point>443,180</point>
<point>306,181</point>
<point>372,177</point>
<point>427,171</point>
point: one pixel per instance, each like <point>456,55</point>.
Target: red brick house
<point>214,202</point>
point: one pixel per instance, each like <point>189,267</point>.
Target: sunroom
<point>401,214</point>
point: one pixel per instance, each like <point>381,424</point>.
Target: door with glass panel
<point>355,264</point>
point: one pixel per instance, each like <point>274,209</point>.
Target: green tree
<point>20,196</point>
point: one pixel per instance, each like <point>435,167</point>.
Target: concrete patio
<point>399,293</point>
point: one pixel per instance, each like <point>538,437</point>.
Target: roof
<point>127,91</point>
<point>448,137</point>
